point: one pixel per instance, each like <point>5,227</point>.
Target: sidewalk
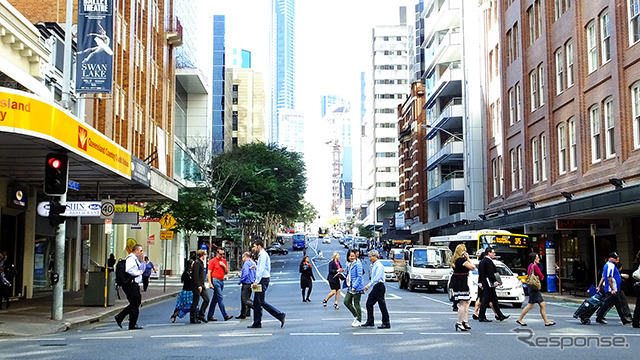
<point>32,317</point>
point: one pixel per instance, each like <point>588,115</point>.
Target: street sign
<point>73,185</point>
<point>74,208</point>
<point>108,226</point>
<point>166,235</point>
<point>107,209</point>
<point>167,221</point>
<point>152,239</point>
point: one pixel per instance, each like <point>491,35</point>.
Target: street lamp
<point>427,126</point>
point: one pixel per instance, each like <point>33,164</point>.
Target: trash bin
<point>94,291</point>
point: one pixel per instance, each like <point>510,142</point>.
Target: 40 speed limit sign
<point>108,209</point>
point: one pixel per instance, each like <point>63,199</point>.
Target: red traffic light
<point>56,174</point>
<point>55,163</point>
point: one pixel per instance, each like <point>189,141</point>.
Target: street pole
<point>595,258</point>
<point>66,81</point>
<point>58,275</point>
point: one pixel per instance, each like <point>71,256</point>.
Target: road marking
<point>244,335</point>
<point>379,333</point>
<point>455,333</point>
<point>390,296</point>
<point>38,339</point>
<point>422,312</point>
<point>626,334</point>
<point>573,334</point>
<point>106,337</point>
<point>314,334</point>
<point>436,300</point>
<point>159,325</point>
<point>176,336</point>
<point>504,334</point>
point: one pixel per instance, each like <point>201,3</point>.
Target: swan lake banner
<point>94,59</point>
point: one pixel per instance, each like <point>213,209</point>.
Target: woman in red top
<point>534,295</point>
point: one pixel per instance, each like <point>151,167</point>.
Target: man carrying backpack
<point>134,267</point>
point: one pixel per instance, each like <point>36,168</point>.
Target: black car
<point>275,248</point>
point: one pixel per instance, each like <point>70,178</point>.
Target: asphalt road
<point>422,326</point>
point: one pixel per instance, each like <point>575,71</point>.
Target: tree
<point>308,214</point>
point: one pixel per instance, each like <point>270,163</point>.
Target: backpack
<point>122,276</point>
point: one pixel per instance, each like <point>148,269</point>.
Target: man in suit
<point>197,283</point>
<point>487,280</point>
<point>134,267</point>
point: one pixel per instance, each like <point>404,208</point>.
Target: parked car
<point>389,272</point>
<point>511,291</point>
<point>276,248</point>
<point>424,266</point>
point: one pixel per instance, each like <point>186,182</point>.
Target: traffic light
<point>55,212</point>
<point>56,174</point>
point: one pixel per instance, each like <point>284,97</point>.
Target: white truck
<point>424,266</point>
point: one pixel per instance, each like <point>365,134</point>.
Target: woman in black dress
<point>460,285</point>
<point>306,278</point>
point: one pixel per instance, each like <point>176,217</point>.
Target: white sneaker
<point>355,323</point>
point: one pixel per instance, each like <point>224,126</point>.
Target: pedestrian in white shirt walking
<point>135,266</point>
<point>377,293</point>
<point>260,284</point>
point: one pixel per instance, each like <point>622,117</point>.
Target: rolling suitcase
<point>588,308</point>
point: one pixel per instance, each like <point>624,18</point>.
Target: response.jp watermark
<point>570,340</point>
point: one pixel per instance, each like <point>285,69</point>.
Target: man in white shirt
<point>377,293</point>
<point>134,267</point>
<point>263,274</point>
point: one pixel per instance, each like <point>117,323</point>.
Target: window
<point>559,70</point>
<point>533,76</point>
<point>572,145</point>
<point>518,103</point>
<point>519,154</point>
<point>535,160</point>
<point>592,47</point>
<point>512,106</point>
<point>569,51</point>
<point>543,157</point>
<point>514,170</point>
<point>515,41</point>
<point>538,18</point>
<point>635,110</point>
<point>501,174</point>
<point>494,119</point>
<point>609,122</point>
<point>510,56</point>
<point>494,171</point>
<point>541,84</point>
<point>634,22</point>
<point>594,117</point>
<point>605,37</point>
<point>496,63</point>
<point>562,149</point>
<point>532,25</point>
<point>557,7</point>
<point>490,66</point>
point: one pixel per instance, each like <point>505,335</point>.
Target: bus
<point>322,232</point>
<point>299,242</point>
<point>511,249</point>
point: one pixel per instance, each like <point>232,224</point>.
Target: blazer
<point>333,270</point>
<point>197,277</point>
<point>486,272</point>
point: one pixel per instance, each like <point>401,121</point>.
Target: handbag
<point>532,281</point>
<point>636,274</point>
<point>498,278</point>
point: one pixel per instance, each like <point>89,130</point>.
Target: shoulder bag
<point>636,274</point>
<point>533,282</point>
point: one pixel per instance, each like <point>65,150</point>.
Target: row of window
<point>392,38</point>
<point>390,96</point>
<point>564,67</point>
<point>386,140</point>
<point>536,86</point>
<point>598,42</point>
<point>392,81</point>
<point>391,67</point>
<point>560,7</point>
<point>385,111</point>
<point>386,154</point>
<point>385,125</point>
<point>386,184</point>
<point>390,52</point>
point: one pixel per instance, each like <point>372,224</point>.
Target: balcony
<point>446,49</point>
<point>452,110</point>
<point>174,35</point>
<point>451,151</point>
<point>451,187</point>
<point>449,83</point>
<point>446,16</point>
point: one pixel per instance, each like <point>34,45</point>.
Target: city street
<point>422,324</point>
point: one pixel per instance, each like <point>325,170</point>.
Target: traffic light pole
<point>57,277</point>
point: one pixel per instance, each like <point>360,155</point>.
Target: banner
<point>94,60</point>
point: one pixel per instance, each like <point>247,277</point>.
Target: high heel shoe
<point>324,302</point>
<point>336,306</point>
<point>466,325</point>
<point>173,318</point>
<point>460,327</point>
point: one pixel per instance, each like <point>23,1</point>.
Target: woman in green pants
<point>354,285</point>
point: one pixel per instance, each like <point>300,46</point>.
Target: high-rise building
<point>390,85</point>
<point>283,64</point>
<point>339,130</point>
<point>221,90</point>
<point>238,58</point>
<point>292,130</point>
<point>248,107</point>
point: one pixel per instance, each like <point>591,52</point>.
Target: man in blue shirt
<point>247,277</point>
<point>612,281</point>
<point>263,274</point>
<point>377,293</point>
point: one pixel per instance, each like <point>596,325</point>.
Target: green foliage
<point>193,211</point>
<point>365,232</point>
<point>308,214</point>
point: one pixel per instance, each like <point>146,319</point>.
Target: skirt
<point>535,297</point>
<point>185,299</point>
<point>460,288</point>
<point>334,285</point>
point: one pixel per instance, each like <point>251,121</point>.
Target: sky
<point>333,46</point>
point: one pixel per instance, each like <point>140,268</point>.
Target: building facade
<point>248,107</point>
<point>282,63</point>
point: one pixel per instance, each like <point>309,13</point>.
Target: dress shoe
<point>212,319</point>
<point>202,319</point>
<point>502,318</point>
<point>135,328</point>
<point>254,326</point>
<point>637,326</point>
<point>367,325</point>
<point>196,321</point>
<point>626,322</point>
<point>475,317</point>
<point>241,317</point>
<point>484,320</point>
<point>228,317</point>
<point>384,326</point>
<point>118,321</point>
<point>601,321</point>
<point>282,320</point>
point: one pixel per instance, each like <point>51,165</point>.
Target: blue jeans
<point>259,303</point>
<point>218,286</point>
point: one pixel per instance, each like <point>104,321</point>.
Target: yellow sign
<point>26,114</point>
<point>130,208</point>
<point>167,221</point>
<point>166,235</point>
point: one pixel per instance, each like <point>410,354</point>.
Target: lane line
<point>455,333</point>
<point>159,325</point>
<point>574,334</point>
<point>503,334</point>
<point>314,334</point>
<point>379,333</point>
<point>105,337</point>
<point>244,335</point>
<point>436,300</point>
<point>176,336</point>
<point>32,339</point>
<point>626,334</point>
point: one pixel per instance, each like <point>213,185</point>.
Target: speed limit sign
<point>108,209</point>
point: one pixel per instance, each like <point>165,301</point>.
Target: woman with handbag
<point>334,277</point>
<point>535,275</point>
<point>461,265</point>
<point>185,298</point>
<point>306,278</point>
<point>636,288</point>
<point>354,283</point>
